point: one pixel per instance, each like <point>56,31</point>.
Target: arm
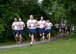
<point>12,25</point>
<point>23,24</point>
<point>28,24</point>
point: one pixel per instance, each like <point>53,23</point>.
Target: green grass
<point>63,46</point>
<point>11,43</point>
<point>7,43</point>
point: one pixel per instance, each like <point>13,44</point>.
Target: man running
<point>15,27</point>
<point>48,29</point>
<point>37,31</point>
<point>42,24</point>
<point>31,25</point>
<point>57,27</point>
<point>63,28</point>
<point>21,28</point>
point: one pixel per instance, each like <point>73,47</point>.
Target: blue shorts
<point>48,31</point>
<point>15,32</point>
<point>37,29</point>
<point>32,31</point>
<point>20,32</point>
<point>42,30</point>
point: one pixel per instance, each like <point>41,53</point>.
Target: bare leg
<point>49,36</point>
<point>43,37</point>
<point>29,35</point>
<point>20,40</point>
<point>32,39</point>
<point>40,34</point>
<point>16,38</point>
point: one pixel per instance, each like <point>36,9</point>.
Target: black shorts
<point>15,32</point>
<point>63,29</point>
<point>20,32</point>
<point>32,31</point>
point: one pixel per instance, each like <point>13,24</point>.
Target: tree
<point>16,8</point>
<point>56,9</point>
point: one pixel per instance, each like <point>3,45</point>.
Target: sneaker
<point>30,44</point>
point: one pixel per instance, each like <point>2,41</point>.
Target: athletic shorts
<point>15,32</point>
<point>32,31</point>
<point>63,29</point>
<point>57,29</point>
<point>37,30</point>
<point>42,30</point>
<point>20,32</point>
<point>47,31</point>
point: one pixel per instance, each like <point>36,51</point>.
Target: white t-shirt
<point>15,25</point>
<point>63,25</point>
<point>31,24</point>
<point>37,24</point>
<point>56,25</point>
<point>42,24</point>
<point>49,25</point>
<point>21,25</point>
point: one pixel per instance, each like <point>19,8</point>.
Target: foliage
<point>57,9</point>
<point>53,10</point>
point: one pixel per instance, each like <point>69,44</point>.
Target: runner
<point>68,29</point>
<point>21,28</point>
<point>15,30</point>
<point>63,28</point>
<point>57,27</point>
<point>48,29</point>
<point>42,24</point>
<point>37,36</point>
<point>31,25</point>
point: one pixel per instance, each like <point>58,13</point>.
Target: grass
<point>10,43</point>
<point>63,46</point>
<point>7,43</point>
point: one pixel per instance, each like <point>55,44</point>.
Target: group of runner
<point>18,27</point>
<point>44,27</point>
<point>62,28</point>
<point>41,29</point>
